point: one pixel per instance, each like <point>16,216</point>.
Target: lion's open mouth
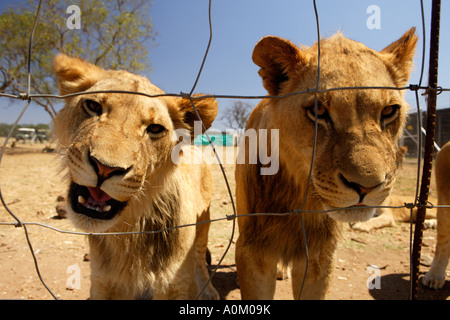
<point>93,202</point>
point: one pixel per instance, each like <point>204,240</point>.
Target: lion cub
<point>435,278</point>
<point>117,149</point>
<point>355,159</point>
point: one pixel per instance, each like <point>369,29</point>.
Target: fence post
<point>429,145</point>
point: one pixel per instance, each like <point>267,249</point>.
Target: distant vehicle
<point>43,135</point>
<point>26,134</point>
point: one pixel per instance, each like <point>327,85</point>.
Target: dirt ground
<point>30,186</point>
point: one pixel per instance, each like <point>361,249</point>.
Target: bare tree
<point>236,116</point>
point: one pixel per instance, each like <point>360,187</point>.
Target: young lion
<point>435,278</point>
<point>355,159</point>
<point>117,148</point>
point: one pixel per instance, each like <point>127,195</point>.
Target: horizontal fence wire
<point>28,96</point>
<point>411,87</point>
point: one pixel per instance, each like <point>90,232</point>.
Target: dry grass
<point>30,187</point>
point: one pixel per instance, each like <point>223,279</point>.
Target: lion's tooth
<point>106,208</point>
<point>81,200</point>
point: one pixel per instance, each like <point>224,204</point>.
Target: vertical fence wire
<point>419,153</point>
<point>311,166</point>
<point>19,222</point>
<point>215,153</point>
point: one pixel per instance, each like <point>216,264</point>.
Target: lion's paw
<point>210,293</point>
<point>434,281</point>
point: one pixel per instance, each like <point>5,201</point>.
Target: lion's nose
<point>104,171</point>
<point>360,189</point>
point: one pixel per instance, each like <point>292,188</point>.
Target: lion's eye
<point>322,112</point>
<point>92,107</point>
<point>389,114</point>
<point>156,130</point>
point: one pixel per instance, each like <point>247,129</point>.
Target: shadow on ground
<point>398,287</point>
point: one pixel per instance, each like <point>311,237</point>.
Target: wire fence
<point>420,200</point>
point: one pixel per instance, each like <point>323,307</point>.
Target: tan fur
<point>354,148</point>
<point>402,151</point>
<point>158,193</point>
<point>435,278</point>
<point>389,217</point>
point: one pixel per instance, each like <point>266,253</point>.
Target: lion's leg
<point>283,272</point>
<point>98,291</point>
<point>317,279</point>
<point>101,289</point>
<point>256,273</point>
<point>435,278</point>
<point>385,219</point>
<point>201,272</point>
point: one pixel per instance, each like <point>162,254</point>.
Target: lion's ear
<point>278,59</point>
<point>207,109</point>
<point>399,56</point>
<point>75,74</point>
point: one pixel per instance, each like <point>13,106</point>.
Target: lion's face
<point>358,130</point>
<point>116,146</point>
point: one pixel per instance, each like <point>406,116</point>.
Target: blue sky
<point>183,32</point>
